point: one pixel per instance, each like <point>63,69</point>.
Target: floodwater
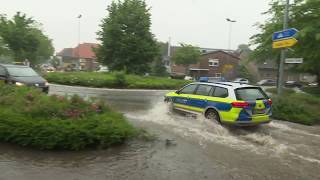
<point>186,147</point>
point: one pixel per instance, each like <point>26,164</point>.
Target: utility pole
<point>283,51</point>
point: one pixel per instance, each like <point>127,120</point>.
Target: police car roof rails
<point>223,83</point>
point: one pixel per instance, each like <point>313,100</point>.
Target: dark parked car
<point>22,76</point>
<point>267,82</point>
<point>292,84</point>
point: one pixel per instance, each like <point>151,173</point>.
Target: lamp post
<point>230,29</point>
<point>79,28</point>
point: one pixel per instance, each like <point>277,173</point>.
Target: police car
<point>223,102</point>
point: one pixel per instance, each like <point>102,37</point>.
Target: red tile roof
<point>84,51</point>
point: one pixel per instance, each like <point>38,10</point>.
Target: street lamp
<point>230,29</point>
<point>79,26</point>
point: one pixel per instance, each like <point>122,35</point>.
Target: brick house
<point>81,57</point>
<point>269,70</point>
<point>212,64</point>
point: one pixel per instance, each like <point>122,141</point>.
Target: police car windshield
<point>21,72</point>
<point>250,94</point>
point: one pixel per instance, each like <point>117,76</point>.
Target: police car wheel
<point>213,115</point>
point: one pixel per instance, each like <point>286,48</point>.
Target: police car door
<point>181,100</point>
<point>198,101</point>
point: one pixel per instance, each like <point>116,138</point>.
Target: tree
<point>25,39</point>
<point>186,55</point>
<point>304,15</point>
<point>127,42</point>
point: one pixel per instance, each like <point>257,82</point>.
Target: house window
<point>218,75</point>
<point>214,62</point>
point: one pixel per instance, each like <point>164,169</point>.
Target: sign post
<point>284,39</point>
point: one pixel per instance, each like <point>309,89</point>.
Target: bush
<point>297,107</point>
<point>30,118</point>
<point>285,91</point>
<point>312,90</point>
<point>120,79</point>
<point>114,80</point>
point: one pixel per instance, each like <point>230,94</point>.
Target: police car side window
<point>220,92</point>
<point>203,90</point>
<point>189,89</point>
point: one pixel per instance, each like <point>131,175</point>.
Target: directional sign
<point>285,34</point>
<point>294,60</point>
<point>284,43</point>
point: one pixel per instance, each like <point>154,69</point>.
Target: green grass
<point>296,107</point>
<point>30,118</point>
<point>114,80</point>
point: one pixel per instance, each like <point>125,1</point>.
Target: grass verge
<point>296,107</point>
<point>114,80</point>
<point>30,118</point>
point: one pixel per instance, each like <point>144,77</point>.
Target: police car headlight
<point>19,84</point>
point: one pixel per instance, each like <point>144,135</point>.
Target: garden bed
<point>30,118</point>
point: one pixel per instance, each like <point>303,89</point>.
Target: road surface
<point>186,147</point>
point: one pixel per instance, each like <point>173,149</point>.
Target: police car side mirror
<point>178,92</point>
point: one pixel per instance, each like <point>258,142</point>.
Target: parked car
<point>267,82</point>
<point>103,69</point>
<point>314,84</point>
<point>223,102</point>
<point>292,84</point>
<point>241,80</point>
<point>22,76</point>
<point>188,78</point>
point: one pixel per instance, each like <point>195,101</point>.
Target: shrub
<point>285,91</point>
<point>299,108</point>
<point>30,118</point>
<point>114,80</point>
<point>120,79</point>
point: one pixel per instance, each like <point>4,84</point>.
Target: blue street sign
<point>285,34</point>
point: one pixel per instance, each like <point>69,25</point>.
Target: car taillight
<point>270,102</point>
<point>240,104</point>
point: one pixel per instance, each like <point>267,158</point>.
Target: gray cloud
<point>198,22</point>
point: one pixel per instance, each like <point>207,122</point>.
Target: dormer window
<point>214,62</point>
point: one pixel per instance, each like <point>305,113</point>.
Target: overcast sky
<point>197,22</point>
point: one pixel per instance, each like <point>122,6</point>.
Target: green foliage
<point>158,68</point>
<point>285,91</point>
<point>312,90</point>
<point>120,79</point>
<point>297,107</point>
<point>244,73</point>
<point>304,15</point>
<point>30,118</point>
<point>127,42</point>
<point>186,55</point>
<point>110,80</point>
<point>25,39</point>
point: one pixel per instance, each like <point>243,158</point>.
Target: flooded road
<point>186,147</point>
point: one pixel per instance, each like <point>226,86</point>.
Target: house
<point>269,70</point>
<point>81,57</point>
<point>168,51</point>
<point>215,63</point>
